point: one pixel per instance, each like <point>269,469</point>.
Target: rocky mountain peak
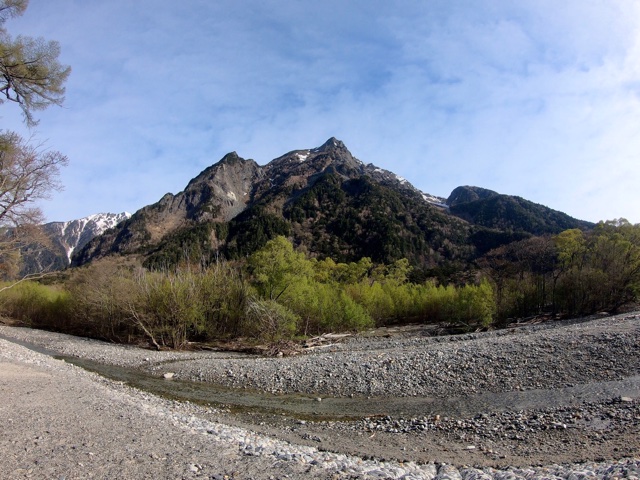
<point>231,161</point>
<point>219,192</point>
<point>332,144</point>
<point>331,156</point>
<point>326,199</point>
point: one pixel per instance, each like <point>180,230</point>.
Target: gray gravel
<point>527,360</point>
<point>536,357</point>
<point>575,368</point>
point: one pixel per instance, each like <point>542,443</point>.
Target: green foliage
<point>572,273</point>
<point>281,293</point>
<point>358,218</point>
<point>523,276</point>
<point>36,305</point>
<point>30,72</point>
<point>346,273</point>
<point>514,214</point>
<point>571,247</point>
<point>470,306</point>
<point>224,294</point>
<point>474,305</point>
<point>284,275</point>
<point>277,266</point>
<point>287,295</point>
<point>169,306</point>
<point>173,307</point>
<point>377,301</point>
<point>324,307</point>
<point>599,271</point>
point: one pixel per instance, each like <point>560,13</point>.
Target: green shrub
<point>374,299</point>
<point>168,306</point>
<point>324,307</point>
<point>269,320</point>
<point>224,294</point>
<point>474,305</point>
<point>44,306</point>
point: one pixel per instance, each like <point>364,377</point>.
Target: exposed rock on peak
<point>221,191</point>
<point>332,152</point>
<point>332,143</point>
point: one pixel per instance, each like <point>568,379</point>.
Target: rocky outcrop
<point>468,194</point>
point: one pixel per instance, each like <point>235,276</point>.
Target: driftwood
<point>324,341</point>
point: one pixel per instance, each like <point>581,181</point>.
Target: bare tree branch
<point>27,173</point>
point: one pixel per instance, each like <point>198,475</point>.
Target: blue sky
<point>534,98</point>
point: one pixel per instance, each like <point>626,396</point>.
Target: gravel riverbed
<point>555,400</point>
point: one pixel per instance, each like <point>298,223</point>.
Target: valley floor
<point>549,400</point>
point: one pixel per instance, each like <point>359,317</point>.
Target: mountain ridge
<point>328,201</point>
<point>64,239</point>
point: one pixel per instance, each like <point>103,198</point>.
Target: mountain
<point>509,213</point>
<point>65,238</point>
<point>326,200</point>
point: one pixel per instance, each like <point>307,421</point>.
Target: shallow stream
<point>344,408</point>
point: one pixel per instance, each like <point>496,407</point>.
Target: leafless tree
<point>28,173</point>
<point>31,76</point>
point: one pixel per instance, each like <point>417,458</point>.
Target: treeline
<point>281,293</point>
<point>573,273</point>
<point>278,293</point>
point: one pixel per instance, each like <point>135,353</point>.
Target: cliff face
<point>217,194</point>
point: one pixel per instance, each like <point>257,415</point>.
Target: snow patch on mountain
<point>75,234</point>
<point>437,201</point>
<point>303,156</point>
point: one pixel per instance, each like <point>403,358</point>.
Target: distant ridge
<point>506,212</point>
<point>66,238</point>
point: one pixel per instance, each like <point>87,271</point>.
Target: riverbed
<point>557,393</point>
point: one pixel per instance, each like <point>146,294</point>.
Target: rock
<point>168,375</point>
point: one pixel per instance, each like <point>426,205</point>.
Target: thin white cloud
<point>534,98</point>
